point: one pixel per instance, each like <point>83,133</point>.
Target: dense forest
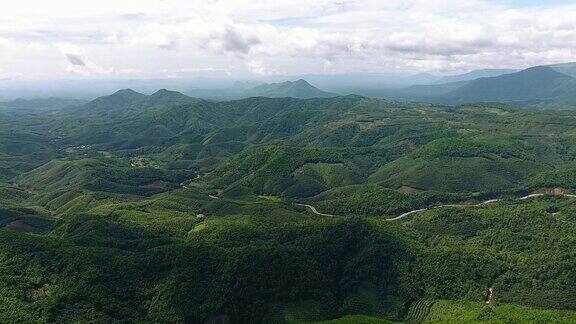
<point>166,208</point>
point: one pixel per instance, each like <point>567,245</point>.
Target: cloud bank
<point>154,38</point>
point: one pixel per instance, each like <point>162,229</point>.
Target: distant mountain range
<point>552,85</point>
<point>295,89</point>
<point>546,86</point>
<point>129,101</point>
<point>566,68</point>
<point>527,86</point>
<point>472,75</point>
<point>41,103</point>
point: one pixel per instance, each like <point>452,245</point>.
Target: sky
<point>141,39</point>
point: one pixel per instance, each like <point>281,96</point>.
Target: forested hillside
<point>166,208</point>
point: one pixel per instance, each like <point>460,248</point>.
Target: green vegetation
<point>469,312</point>
<point>373,199</point>
<point>24,143</point>
<point>229,267</point>
<point>357,319</point>
<point>165,208</point>
<point>419,310</point>
<point>532,266</point>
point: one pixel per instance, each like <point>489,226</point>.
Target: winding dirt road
<point>534,195</point>
<point>315,211</point>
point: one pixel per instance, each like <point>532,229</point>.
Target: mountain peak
<point>120,99</point>
<point>302,82</point>
<point>164,97</point>
<point>296,89</point>
<point>127,92</point>
<point>166,92</point>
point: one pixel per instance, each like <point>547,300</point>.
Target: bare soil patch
<point>551,191</point>
<point>406,189</point>
<point>21,226</point>
<point>158,184</point>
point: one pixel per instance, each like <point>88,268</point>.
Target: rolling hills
<point>167,208</point>
<point>302,148</point>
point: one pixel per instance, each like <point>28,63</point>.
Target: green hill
<point>25,142</point>
<point>294,89</point>
<point>122,99</point>
<point>166,208</point>
<point>62,183</point>
<point>129,101</point>
<point>469,312</point>
<point>304,147</point>
<point>457,165</point>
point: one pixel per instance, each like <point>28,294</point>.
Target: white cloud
<point>256,67</point>
<point>78,63</point>
<point>187,72</point>
<point>144,37</point>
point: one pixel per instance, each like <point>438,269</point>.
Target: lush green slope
<point>25,142</point>
<point>372,199</point>
<point>165,208</point>
<point>76,185</point>
<point>472,151</point>
<point>534,265</point>
<point>357,319</point>
<point>460,164</point>
<point>303,148</point>
<point>470,312</point>
<point>99,269</point>
<point>300,148</point>
<point>331,266</point>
